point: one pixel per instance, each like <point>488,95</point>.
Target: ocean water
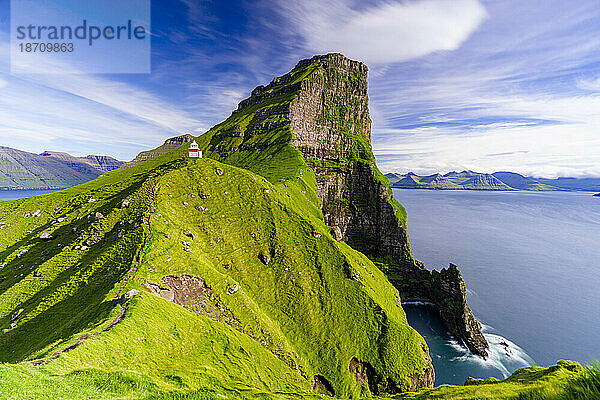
<point>531,261</point>
<point>20,194</point>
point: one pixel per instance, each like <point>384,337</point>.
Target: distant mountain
<point>100,163</point>
<point>451,181</point>
<point>470,180</point>
<point>521,182</point>
<point>49,170</point>
<point>582,184</point>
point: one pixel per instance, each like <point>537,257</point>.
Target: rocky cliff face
<point>331,126</point>
<point>447,290</point>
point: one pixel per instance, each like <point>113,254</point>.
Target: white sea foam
<point>417,303</point>
<point>503,355</point>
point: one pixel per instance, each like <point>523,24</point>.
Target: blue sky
<point>453,84</point>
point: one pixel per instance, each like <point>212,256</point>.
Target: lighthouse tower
<point>193,151</point>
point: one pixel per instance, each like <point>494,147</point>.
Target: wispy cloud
<point>523,85</point>
<point>589,84</point>
<point>387,32</point>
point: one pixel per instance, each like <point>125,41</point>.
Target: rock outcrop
<point>447,290</point>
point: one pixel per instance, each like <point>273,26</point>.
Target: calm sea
<point>531,261</point>
<point>20,194</point>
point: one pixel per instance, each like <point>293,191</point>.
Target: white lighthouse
<point>193,151</point>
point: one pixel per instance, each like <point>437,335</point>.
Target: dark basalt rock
<point>447,290</point>
<point>320,385</point>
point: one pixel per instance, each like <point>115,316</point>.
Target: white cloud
<point>589,84</point>
<point>571,148</point>
<point>386,33</point>
<point>523,96</point>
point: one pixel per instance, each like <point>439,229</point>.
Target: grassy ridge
<point>314,322</point>
<point>316,302</point>
<point>52,289</point>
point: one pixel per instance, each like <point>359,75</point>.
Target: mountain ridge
<point>49,170</point>
<point>502,180</point>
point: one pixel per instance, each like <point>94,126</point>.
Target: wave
<point>417,303</point>
<point>503,355</point>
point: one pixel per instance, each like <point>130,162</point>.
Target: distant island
<point>470,180</point>
<point>50,169</point>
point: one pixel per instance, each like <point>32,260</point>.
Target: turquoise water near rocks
<point>20,194</point>
<point>531,261</point>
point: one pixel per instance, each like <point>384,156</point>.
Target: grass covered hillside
<point>269,271</point>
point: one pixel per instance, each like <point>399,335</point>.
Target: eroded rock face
<point>366,375</point>
<point>447,290</point>
<point>331,126</point>
<point>192,293</point>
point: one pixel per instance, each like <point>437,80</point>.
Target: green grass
<point>58,287</point>
<point>565,381</point>
<point>313,314</point>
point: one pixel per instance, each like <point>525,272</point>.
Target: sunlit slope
<point>63,253</point>
<point>268,259</point>
<point>275,267</point>
<point>158,348</point>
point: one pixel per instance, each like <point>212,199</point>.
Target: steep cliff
<point>321,109</point>
<point>331,126</point>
